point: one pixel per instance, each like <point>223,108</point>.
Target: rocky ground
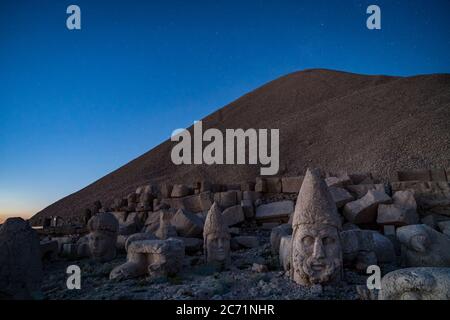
<point>197,281</point>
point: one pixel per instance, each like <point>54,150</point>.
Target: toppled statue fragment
<point>423,246</point>
<point>316,243</point>
<point>416,284</point>
<point>157,258</point>
<point>101,241</point>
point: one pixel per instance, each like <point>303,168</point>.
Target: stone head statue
<point>416,284</point>
<point>216,238</point>
<point>422,246</point>
<point>316,225</point>
<point>103,230</point>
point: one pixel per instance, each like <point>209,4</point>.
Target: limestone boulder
<point>249,209</point>
<point>227,199</point>
<point>280,210</point>
<point>179,191</point>
<point>341,181</point>
<point>402,212</point>
<point>194,203</point>
<point>247,241</point>
<point>364,210</point>
<point>340,196</point>
<point>233,215</point>
<point>360,190</point>
<point>187,224</point>
<point>20,261</point>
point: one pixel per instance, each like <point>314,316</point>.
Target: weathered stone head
<point>416,284</point>
<point>422,246</point>
<point>103,228</point>
<point>216,238</point>
<point>316,243</point>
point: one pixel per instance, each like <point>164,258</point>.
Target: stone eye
<point>308,240</point>
<point>327,240</point>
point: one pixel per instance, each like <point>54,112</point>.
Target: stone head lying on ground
<point>100,244</point>
<point>416,284</point>
<point>422,246</point>
<point>316,243</point>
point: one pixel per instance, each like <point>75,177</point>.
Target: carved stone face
<point>102,245</point>
<point>317,254</point>
<point>218,248</point>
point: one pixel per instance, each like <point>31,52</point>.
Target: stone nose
<point>318,249</point>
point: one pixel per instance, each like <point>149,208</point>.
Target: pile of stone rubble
<point>320,226</point>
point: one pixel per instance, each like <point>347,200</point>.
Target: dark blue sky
<point>75,105</point>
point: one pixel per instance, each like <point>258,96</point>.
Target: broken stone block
<point>187,224</point>
<point>157,258</point>
<point>291,184</point>
<point>233,215</point>
<point>49,250</point>
<point>280,210</point>
<point>195,203</point>
<point>423,246</point>
<point>360,190</point>
<point>226,199</point>
<point>340,196</point>
<point>249,210</point>
<point>417,175</point>
<point>179,191</point>
<point>340,181</point>
<point>20,261</point>
<point>416,284</point>
<point>276,234</point>
<point>273,185</point>
<point>383,248</point>
<point>251,195</point>
<point>438,175</point>
<point>248,186</point>
<point>138,237</point>
<point>393,214</point>
<point>260,185</point>
<point>364,210</point>
<point>285,252</point>
<point>247,241</point>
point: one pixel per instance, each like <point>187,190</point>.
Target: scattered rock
<point>364,210</point>
<point>275,210</point>
<point>233,215</point>
<point>187,224</point>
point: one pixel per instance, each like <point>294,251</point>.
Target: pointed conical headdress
<point>214,222</point>
<point>314,203</point>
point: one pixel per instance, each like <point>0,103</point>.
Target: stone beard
<point>316,254</point>
<point>218,249</point>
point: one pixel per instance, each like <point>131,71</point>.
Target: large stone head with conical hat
<point>216,238</point>
<point>316,243</point>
